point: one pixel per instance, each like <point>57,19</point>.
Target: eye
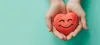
<point>69,20</point>
<point>62,20</point>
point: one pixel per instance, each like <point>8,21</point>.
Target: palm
<point>53,10</point>
<point>76,8</point>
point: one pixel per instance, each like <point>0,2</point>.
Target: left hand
<point>75,6</point>
<point>56,6</point>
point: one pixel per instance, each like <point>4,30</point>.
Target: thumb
<point>63,10</point>
<point>68,10</point>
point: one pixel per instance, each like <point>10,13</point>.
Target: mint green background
<point>22,22</point>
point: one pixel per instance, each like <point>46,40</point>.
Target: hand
<point>56,6</point>
<point>75,6</point>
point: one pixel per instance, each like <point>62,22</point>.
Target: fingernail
<point>50,31</point>
<point>68,38</point>
<point>86,28</point>
<point>74,34</point>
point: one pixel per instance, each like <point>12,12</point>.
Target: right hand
<point>56,6</point>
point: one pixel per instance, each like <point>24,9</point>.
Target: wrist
<point>75,1</point>
<point>55,1</point>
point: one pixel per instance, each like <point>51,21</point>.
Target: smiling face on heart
<point>66,23</point>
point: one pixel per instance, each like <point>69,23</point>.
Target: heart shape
<point>66,23</point>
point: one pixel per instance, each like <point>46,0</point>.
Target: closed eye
<point>69,20</point>
<point>62,20</point>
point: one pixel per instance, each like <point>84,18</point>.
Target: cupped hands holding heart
<point>66,21</point>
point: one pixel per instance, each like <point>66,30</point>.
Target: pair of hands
<point>58,6</point>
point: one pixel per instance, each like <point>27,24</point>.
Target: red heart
<point>66,23</point>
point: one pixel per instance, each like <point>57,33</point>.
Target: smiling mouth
<point>65,27</point>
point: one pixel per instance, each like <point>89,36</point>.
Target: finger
<point>63,9</point>
<point>65,37</point>
<point>77,30</point>
<point>50,14</point>
<point>83,21</point>
<point>58,34</point>
<point>49,23</point>
<point>70,36</point>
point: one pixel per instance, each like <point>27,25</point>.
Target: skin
<point>58,6</point>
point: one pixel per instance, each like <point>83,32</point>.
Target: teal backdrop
<point>22,22</point>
